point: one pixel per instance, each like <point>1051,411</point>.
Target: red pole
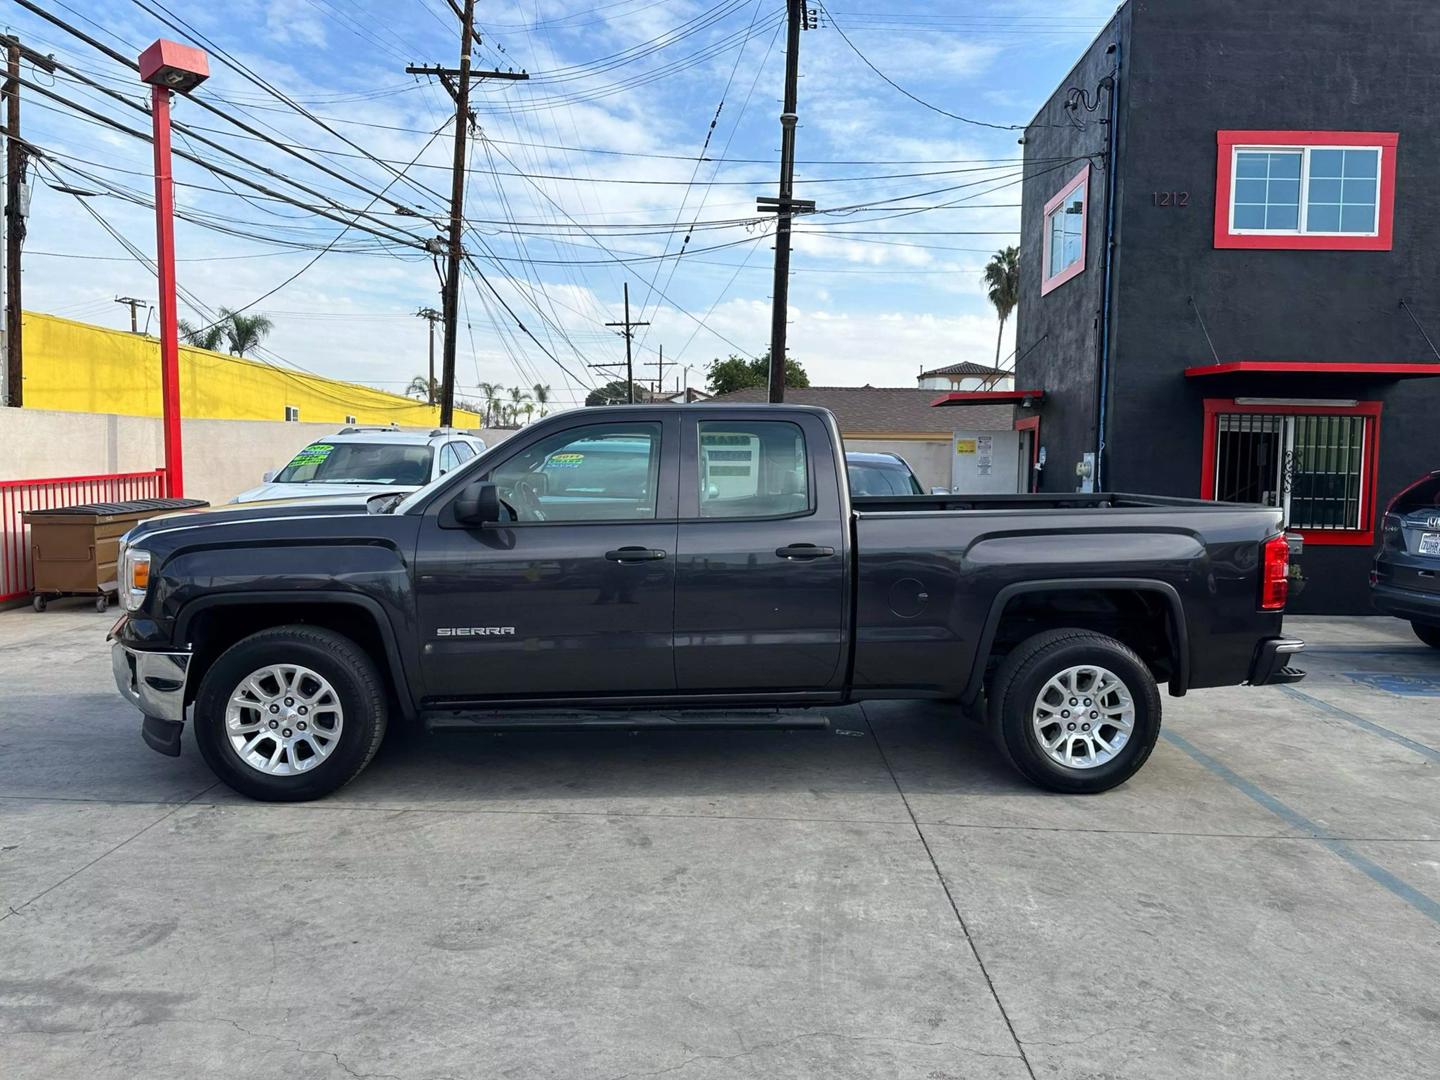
<point>165,264</point>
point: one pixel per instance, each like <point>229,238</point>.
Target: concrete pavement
<point>884,899</point>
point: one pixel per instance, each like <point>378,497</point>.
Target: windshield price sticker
<point>565,461</point>
<point>312,455</point>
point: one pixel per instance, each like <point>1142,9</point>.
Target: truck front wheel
<point>1075,711</point>
<point>290,713</point>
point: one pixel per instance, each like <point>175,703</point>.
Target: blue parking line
<point>1376,873</point>
<point>1428,752</point>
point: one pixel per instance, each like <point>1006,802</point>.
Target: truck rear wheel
<point>1075,711</point>
<point>1429,633</point>
<point>290,713</point>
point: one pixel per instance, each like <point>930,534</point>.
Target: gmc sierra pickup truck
<point>686,566</point>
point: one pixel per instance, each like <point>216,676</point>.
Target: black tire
<point>1429,633</point>
<point>1018,684</point>
<point>356,683</point>
<point>39,603</point>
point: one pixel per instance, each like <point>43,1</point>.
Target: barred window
<point>1313,466</point>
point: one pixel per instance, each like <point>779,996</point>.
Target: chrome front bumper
<point>154,682</point>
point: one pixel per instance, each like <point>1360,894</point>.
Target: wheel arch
<point>1009,597</point>
<point>213,623</point>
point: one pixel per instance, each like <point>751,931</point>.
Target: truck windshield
<point>391,464</point>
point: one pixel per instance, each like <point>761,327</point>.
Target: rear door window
<point>752,469</point>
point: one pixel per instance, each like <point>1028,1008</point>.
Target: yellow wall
<point>76,367</point>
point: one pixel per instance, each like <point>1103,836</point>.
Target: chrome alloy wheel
<point>1083,716</point>
<point>283,720</point>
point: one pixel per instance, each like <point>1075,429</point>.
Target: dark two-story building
<point>1230,265</point>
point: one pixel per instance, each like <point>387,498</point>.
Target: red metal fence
<point>17,496</point>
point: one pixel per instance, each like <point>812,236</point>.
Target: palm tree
<point>517,398</point>
<point>244,333</point>
<point>542,396</point>
<point>529,411</point>
<point>489,391</point>
<point>423,387</point>
<point>1002,286</point>
<point>211,336</point>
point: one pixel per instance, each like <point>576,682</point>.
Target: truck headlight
<point>134,577</point>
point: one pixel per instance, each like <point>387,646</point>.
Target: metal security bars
<point>1313,466</point>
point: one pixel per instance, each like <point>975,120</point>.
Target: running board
<point>572,719</point>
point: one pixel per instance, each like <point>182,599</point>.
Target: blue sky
<point>593,158</point>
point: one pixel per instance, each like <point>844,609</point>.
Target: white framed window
<point>1317,190</point>
<point>292,413</point>
<point>1310,190</point>
<point>1063,241</point>
<point>349,419</point>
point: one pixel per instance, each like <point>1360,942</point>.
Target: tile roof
<point>882,410</point>
<point>965,367</point>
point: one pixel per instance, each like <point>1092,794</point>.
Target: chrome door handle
<point>634,554</point>
<point>804,551</point>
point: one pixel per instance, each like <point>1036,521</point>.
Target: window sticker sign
<point>569,460</point>
<point>964,446</point>
<point>314,454</point>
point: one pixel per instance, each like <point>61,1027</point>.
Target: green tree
<point>737,373</point>
<point>518,397</point>
<point>542,396</point>
<point>210,336</point>
<point>489,392</point>
<point>1002,286</point>
<point>424,387</point>
<point>614,393</point>
<point>244,333</point>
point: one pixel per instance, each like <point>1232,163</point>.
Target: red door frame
<point>1369,478</point>
<point>1032,425</point>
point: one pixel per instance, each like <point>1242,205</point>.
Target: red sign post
<point>169,66</point>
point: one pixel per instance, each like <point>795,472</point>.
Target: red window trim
<point>1082,181</point>
<point>1363,536</point>
<point>1226,141</point>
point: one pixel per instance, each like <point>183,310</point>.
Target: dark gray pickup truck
<point>686,566</point>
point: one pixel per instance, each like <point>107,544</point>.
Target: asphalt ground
<point>882,899</point>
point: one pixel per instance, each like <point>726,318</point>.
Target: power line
<point>405,239</point>
<point>918,100</point>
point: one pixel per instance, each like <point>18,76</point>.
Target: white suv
<point>367,461</point>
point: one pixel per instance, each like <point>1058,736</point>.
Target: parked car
<point>367,460</point>
<point>1406,579</point>
<point>878,473</point>
<point>687,565</point>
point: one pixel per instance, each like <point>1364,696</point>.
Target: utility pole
<point>628,334</point>
<point>660,365</point>
<point>430,315</point>
<point>134,304</point>
<point>786,206</point>
<point>17,194</point>
<point>457,84</point>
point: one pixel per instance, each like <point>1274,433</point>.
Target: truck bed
<point>1075,501</point>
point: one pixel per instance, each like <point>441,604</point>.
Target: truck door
<point>575,597</point>
<point>761,589</point>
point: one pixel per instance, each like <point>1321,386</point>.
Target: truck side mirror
<point>478,504</point>
<point>270,476</point>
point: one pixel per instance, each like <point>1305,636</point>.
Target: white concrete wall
<point>222,457</point>
<point>930,458</point>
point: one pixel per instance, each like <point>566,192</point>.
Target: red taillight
<point>1275,576</point>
